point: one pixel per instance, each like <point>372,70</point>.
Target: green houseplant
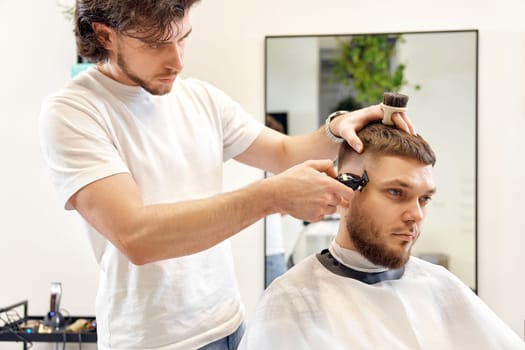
<point>366,62</point>
<point>68,11</point>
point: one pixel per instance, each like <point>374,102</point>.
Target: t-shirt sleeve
<point>239,128</point>
<point>75,146</point>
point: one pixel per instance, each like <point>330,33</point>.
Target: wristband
<point>327,130</point>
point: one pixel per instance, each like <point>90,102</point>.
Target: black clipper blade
<point>353,181</point>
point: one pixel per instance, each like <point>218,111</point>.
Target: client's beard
<point>365,236</point>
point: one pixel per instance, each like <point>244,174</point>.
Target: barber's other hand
<point>308,191</point>
<point>349,124</point>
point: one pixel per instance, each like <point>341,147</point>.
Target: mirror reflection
<point>309,77</point>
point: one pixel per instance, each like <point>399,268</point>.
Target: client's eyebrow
<point>403,184</point>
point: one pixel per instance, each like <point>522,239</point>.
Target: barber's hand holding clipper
<point>310,191</point>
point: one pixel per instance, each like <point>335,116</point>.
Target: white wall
<point>41,243</point>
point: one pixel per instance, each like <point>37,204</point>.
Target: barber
<point>138,152</point>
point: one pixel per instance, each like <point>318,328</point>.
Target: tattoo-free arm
<point>147,233</point>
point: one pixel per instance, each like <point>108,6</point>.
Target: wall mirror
<point>308,77</point>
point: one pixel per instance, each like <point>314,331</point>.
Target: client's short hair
<point>383,140</point>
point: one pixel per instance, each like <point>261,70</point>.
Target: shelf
<point>12,333</point>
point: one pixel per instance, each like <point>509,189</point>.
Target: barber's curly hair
<point>149,20</point>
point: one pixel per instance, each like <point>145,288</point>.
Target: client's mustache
<point>412,229</point>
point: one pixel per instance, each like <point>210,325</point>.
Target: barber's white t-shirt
<point>174,147</point>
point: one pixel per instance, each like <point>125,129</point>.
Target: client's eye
<point>426,199</point>
<point>395,192</point>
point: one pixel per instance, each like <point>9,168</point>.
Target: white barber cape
<point>311,307</point>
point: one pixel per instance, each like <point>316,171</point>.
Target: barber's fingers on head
<point>350,136</point>
<point>355,121</point>
<point>350,124</point>
<point>401,121</point>
<point>375,112</point>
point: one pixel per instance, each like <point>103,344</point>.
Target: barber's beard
<point>366,237</point>
<point>122,64</point>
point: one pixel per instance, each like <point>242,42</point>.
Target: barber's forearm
<point>315,145</point>
<point>172,230</point>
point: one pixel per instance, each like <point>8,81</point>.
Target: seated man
<point>366,291</point>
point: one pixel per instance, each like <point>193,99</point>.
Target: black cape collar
<point>334,266</point>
